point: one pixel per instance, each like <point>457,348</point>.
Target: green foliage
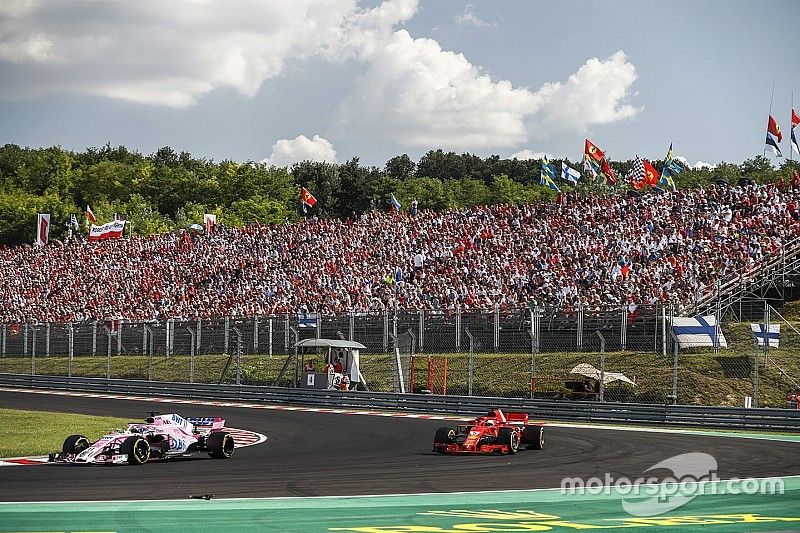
<point>166,191</point>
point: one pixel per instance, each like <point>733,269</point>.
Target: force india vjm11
<point>496,432</point>
<point>159,437</point>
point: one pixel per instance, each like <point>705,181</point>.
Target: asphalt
<point>325,454</point>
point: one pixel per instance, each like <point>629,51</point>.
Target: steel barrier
<point>577,411</point>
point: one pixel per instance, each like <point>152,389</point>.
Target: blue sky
<point>332,79</point>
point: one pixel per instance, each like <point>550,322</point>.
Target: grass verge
<point>41,432</point>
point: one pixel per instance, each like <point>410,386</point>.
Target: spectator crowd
<point>589,250</point>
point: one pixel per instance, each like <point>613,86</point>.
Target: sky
<point>328,80</point>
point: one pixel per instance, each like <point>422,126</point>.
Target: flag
<point>698,332</point>
<point>593,151</point>
<point>89,215</point>
<point>590,166</point>
<point>569,174</point>
<point>209,221</point>
<point>795,146</point>
<point>636,176</point>
<point>773,145</point>
<point>608,172</point>
<point>774,334</point>
<point>395,203</point>
<point>73,222</point>
<point>548,175</point>
<point>774,129</point>
<point>651,175</point>
<point>307,199</point>
<point>112,230</point>
<point>43,229</point>
<point>307,320</point>
<point>795,123</point>
<point>795,119</point>
<point>671,168</point>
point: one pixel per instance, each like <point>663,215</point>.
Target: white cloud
<point>301,148</point>
<point>468,17</point>
<point>697,166</point>
<point>160,53</point>
<point>530,154</point>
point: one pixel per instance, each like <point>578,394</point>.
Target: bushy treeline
<point>167,191</point>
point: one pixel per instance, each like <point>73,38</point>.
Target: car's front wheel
<point>510,438</point>
<point>137,450</point>
<point>220,445</point>
<point>75,444</point>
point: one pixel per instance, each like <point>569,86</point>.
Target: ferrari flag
<point>307,199</point>
<point>593,151</point>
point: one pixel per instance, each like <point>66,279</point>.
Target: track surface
<point>320,454</point>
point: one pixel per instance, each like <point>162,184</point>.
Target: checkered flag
<point>636,173</point>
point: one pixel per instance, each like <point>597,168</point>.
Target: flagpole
<point>791,149</point>
<point>770,114</point>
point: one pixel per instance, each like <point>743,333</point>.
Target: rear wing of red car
<point>517,418</point>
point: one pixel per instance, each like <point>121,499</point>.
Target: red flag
<point>774,129</point>
<point>593,151</point>
<point>89,215</point>
<point>307,198</point>
<point>608,172</point>
<point>651,175</point>
<point>795,119</point>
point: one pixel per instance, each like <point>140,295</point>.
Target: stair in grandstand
<point>777,279</point>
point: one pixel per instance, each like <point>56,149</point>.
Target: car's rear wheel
<point>533,437</point>
<point>510,438</point>
<point>220,445</point>
<point>75,444</point>
<point>137,449</point>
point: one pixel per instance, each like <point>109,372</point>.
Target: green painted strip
<point>527,510</point>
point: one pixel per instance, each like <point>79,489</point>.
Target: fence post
<point>94,338</point>
<point>238,354</point>
<point>3,352</point>
<point>496,327</point>
<point>675,346</point>
<point>199,333</point>
<point>534,333</point>
<point>602,364</point>
<point>385,330</point>
<point>70,348</point>
<point>401,385</point>
<point>579,336</point>
<point>270,337</point>
<point>351,326</point>
<point>623,340</point>
<point>227,332</point>
<point>286,332</point>
<point>120,325</point>
<point>255,334</point>
<point>47,339</point>
<point>755,371</point>
<point>148,349</point>
<point>421,328</point>
<point>25,338</point>
<point>144,338</point>
<point>471,361</point>
<point>108,364</point>
<point>296,334</point>
<point>33,351</point>
<point>191,354</point>
<point>458,329</point>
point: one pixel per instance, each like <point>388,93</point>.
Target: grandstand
<point>585,251</point>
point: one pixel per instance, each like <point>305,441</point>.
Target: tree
<point>400,167</point>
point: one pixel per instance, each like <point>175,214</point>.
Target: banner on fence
<point>112,230</point>
<point>698,332</point>
<point>773,335</point>
<point>307,320</point>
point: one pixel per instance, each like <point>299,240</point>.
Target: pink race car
<point>159,437</point>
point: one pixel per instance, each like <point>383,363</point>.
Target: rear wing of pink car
<point>207,423</point>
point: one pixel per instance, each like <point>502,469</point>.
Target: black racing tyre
<point>220,445</point>
<point>444,436</point>
<point>510,438</point>
<point>137,449</point>
<point>75,444</point>
<point>533,437</point>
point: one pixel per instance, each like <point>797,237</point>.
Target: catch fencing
<point>520,353</point>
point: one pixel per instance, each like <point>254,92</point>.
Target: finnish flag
<point>774,334</point>
<point>701,331</point>
<point>569,174</point>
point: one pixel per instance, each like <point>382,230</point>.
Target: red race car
<point>496,432</point>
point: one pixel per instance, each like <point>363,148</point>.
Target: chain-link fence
<point>622,353</point>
